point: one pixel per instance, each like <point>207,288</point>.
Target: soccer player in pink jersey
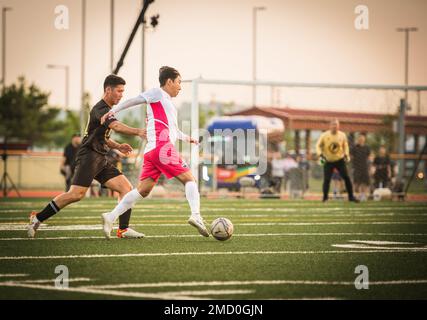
<point>160,155</point>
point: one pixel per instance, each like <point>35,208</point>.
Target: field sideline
<point>280,250</point>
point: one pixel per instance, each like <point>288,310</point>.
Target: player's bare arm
<point>119,127</point>
<point>124,148</point>
<point>123,106</point>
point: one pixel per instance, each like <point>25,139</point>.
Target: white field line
<point>162,208</point>
<point>193,295</point>
<point>53,280</point>
<point>211,253</point>
<point>391,249</point>
<point>381,242</point>
<point>13,275</point>
<point>148,216</point>
<point>250,282</point>
<point>21,227</point>
<point>207,292</point>
<point>234,236</point>
<point>100,292</point>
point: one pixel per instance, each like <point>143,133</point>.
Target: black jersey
<point>96,135</point>
<point>69,154</point>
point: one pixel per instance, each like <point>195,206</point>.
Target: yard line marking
<point>168,254</point>
<point>208,292</point>
<point>53,280</point>
<point>327,210</point>
<point>21,227</point>
<point>147,216</point>
<point>101,292</point>
<point>381,242</point>
<point>13,275</point>
<point>234,235</point>
<point>249,282</point>
<point>194,295</point>
<point>391,249</point>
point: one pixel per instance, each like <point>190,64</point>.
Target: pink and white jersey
<point>162,119</point>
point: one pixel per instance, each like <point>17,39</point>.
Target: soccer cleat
<point>33,226</point>
<point>129,233</point>
<point>107,225</point>
<point>197,222</point>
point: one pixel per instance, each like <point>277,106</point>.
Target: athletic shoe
<point>197,222</point>
<point>129,233</point>
<point>354,200</point>
<point>107,225</point>
<point>33,226</point>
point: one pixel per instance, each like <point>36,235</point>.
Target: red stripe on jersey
<point>162,131</point>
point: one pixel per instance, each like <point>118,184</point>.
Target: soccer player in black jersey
<point>91,162</point>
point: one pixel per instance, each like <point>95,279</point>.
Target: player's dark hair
<point>113,81</point>
<point>166,73</point>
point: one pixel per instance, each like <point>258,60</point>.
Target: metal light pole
<point>3,69</point>
<point>254,46</point>
<point>83,55</point>
<point>112,35</point>
<point>404,105</point>
<point>67,81</point>
<point>143,52</point>
<point>143,114</point>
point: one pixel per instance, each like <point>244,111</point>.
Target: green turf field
<point>280,250</point>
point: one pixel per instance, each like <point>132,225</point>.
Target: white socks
<point>193,197</point>
<point>125,204</point>
<point>191,193</point>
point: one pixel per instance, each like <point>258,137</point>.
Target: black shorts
<point>92,165</point>
<point>361,177</point>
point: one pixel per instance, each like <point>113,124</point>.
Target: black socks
<point>50,210</point>
<point>124,220</point>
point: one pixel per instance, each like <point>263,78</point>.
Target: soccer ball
<point>382,193</point>
<point>222,229</point>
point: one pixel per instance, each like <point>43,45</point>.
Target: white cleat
<point>197,222</point>
<point>33,226</point>
<point>107,225</point>
<point>129,233</point>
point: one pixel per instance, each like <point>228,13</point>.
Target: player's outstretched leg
<point>75,194</point>
<point>127,202</point>
<point>193,197</point>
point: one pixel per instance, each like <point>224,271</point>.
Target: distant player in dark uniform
<point>68,160</point>
<point>91,162</point>
<point>382,165</point>
<point>360,154</point>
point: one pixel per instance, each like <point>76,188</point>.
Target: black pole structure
<point>5,175</point>
<point>414,172</point>
<point>139,21</point>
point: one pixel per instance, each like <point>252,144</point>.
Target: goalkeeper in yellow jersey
<point>333,150</point>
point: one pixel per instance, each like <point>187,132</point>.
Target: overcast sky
<point>298,40</point>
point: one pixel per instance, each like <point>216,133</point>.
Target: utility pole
<point>3,69</point>
<point>83,56</point>
<point>111,35</point>
<point>66,68</point>
<point>404,106</point>
<point>254,47</point>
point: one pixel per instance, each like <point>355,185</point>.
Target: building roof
<point>306,119</point>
